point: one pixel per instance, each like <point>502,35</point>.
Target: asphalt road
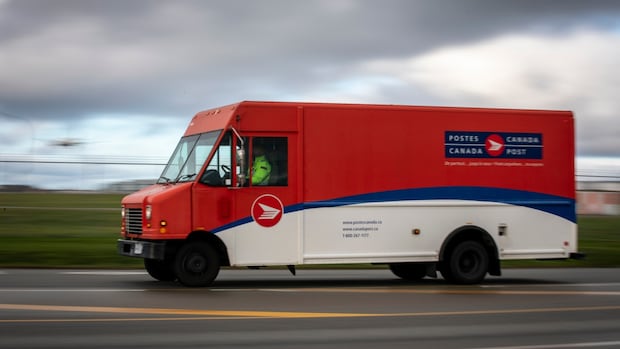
<point>526,308</point>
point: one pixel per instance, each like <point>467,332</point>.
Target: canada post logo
<point>267,210</point>
<point>496,145</point>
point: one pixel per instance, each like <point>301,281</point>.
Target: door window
<point>269,161</point>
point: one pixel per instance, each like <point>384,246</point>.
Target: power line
<point>84,160</point>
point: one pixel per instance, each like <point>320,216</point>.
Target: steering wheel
<point>227,173</point>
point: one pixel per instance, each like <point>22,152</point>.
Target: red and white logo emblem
<point>267,210</point>
<point>494,145</point>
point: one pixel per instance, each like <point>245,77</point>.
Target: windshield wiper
<point>187,176</point>
<point>165,179</point>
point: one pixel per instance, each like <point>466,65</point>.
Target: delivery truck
<point>419,189</point>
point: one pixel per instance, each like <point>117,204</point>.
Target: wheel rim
<point>196,263</point>
<point>469,263</point>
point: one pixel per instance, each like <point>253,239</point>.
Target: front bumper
<point>141,249</point>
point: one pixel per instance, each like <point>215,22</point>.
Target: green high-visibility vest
<point>261,170</point>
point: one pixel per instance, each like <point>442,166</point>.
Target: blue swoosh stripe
<point>556,205</point>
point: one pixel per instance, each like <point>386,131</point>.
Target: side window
<point>218,170</point>
<point>269,165</point>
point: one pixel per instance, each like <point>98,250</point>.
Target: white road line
<point>87,272</point>
<point>71,290</point>
<point>103,272</point>
<point>565,345</point>
<point>602,284</point>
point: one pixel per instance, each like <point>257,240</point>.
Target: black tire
<point>409,271</point>
<point>467,263</point>
<point>196,264</point>
<point>160,270</point>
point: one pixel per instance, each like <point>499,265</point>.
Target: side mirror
<point>241,161</point>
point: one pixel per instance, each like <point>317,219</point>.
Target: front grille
<point>133,220</point>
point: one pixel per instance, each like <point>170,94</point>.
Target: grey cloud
<point>68,59</point>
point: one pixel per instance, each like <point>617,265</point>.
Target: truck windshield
<point>188,157</point>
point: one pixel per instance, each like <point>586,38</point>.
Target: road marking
<point>442,291</point>
<point>433,291</point>
<point>22,290</point>
<point>191,318</point>
<point>566,345</point>
<point>439,291</point>
<point>94,272</point>
<point>600,284</point>
<point>508,311</point>
<point>188,312</point>
<point>103,272</point>
<point>246,314</point>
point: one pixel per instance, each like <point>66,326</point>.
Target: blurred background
<point>94,94</point>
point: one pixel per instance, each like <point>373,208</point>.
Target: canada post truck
<point>418,189</point>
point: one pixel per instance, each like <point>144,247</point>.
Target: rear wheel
<point>161,270</point>
<point>196,264</point>
<point>467,263</point>
<point>409,271</point>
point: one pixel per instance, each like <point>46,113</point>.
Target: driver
<point>261,168</point>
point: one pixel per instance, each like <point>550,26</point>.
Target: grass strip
<point>75,230</point>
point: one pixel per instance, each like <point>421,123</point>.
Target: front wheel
<point>159,270</point>
<point>196,264</point>
<point>467,263</point>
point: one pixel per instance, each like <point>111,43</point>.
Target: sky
<point>124,77</point>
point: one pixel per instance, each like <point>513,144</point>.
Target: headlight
<point>148,212</point>
<point>122,212</point>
